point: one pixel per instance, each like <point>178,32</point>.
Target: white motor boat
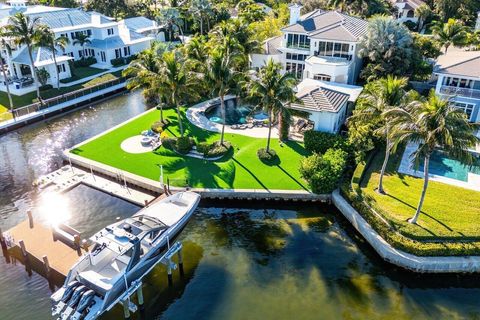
<point>122,253</point>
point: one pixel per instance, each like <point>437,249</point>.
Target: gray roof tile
<point>320,99</point>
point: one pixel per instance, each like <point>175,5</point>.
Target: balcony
<point>462,92</point>
<point>298,47</point>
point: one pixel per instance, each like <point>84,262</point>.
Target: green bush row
<point>122,61</point>
<point>320,142</point>
<point>213,150</point>
<point>84,62</point>
<point>350,189</point>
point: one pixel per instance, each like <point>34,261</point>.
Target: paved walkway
<point>196,115</point>
<point>399,257</point>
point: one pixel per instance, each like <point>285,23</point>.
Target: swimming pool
<point>441,165</point>
<point>233,114</point>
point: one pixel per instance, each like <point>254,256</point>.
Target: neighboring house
<point>405,9</point>
<point>458,75</point>
<point>326,103</point>
<point>109,39</point>
<point>320,45</point>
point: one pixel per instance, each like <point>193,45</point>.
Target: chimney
<point>96,18</point>
<point>477,25</point>
<point>295,12</point>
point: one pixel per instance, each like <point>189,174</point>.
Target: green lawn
<point>29,98</point>
<point>449,212</point>
<point>82,72</point>
<point>240,170</point>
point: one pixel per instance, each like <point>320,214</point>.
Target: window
<point>322,77</point>
<point>61,68</point>
<point>334,49</point>
<point>118,53</point>
<point>295,56</point>
<point>110,31</point>
<point>72,35</point>
<point>89,32</point>
<point>410,14</point>
<point>80,53</point>
<point>466,107</point>
<point>300,41</point>
<point>103,56</point>
<point>295,68</point>
<point>126,51</point>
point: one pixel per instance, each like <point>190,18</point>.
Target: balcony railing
<point>298,46</point>
<point>463,92</point>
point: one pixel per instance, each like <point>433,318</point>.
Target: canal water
<point>242,260</point>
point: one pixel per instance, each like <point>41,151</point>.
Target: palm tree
<point>4,46</point>
<point>28,32</point>
<point>377,99</point>
<point>200,9</point>
<point>220,76</point>
<point>178,80</point>
<point>272,92</point>
<point>51,42</point>
<point>172,18</point>
<point>434,124</point>
<point>82,39</point>
<point>453,32</point>
<point>423,12</point>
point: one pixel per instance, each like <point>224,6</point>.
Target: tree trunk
<point>34,74</point>
<point>201,25</point>
<point>208,23</point>
<point>269,130</point>
<point>56,66</point>
<point>179,116</point>
<point>10,101</point>
<point>222,108</point>
<point>424,190</point>
<point>384,166</point>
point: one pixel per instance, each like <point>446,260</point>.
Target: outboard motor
<point>85,302</point>
<point>77,294</point>
<point>67,294</point>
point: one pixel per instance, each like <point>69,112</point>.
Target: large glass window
<point>334,49</point>
<point>322,77</point>
<point>295,68</point>
<point>298,41</point>
<point>466,107</point>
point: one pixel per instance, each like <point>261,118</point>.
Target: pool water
<point>233,114</point>
<point>441,165</point>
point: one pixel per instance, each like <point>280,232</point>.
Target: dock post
<point>46,264</point>
<point>3,243</point>
<point>30,218</point>
<point>146,203</point>
<point>170,276</point>
<point>140,297</point>
<point>180,263</point>
<point>76,241</point>
<point>126,310</point>
<point>85,245</point>
<point>22,247</point>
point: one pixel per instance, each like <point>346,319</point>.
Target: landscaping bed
<point>239,169</point>
<point>448,224</point>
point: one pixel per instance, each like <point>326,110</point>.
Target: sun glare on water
<point>54,208</point>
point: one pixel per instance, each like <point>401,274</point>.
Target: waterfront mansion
<point>108,41</point>
<point>320,45</point>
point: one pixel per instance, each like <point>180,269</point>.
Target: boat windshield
<point>144,221</point>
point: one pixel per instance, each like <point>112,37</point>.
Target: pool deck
<point>407,167</point>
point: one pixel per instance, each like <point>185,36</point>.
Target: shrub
<point>320,142</point>
<point>169,143</point>
<point>412,26</point>
<point>217,149</point>
<point>84,62</point>
<point>158,127</point>
<point>267,157</point>
<point>46,87</point>
<point>118,62</point>
<point>184,144</point>
<point>323,172</point>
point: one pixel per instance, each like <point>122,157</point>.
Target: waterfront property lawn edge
<point>241,169</point>
<point>430,237</point>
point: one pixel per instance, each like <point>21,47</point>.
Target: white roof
<point>351,90</point>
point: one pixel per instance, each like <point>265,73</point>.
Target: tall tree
<point>82,40</point>
<point>436,124</point>
<point>173,20</point>
<point>423,12</point>
<point>272,92</point>
<point>52,43</point>
<point>28,32</point>
<point>180,81</point>
<point>387,46</point>
<point>4,46</point>
<point>220,76</point>
<point>377,99</point>
<point>202,11</point>
<point>453,32</point>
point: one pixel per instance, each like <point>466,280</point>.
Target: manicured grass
<point>240,170</point>
<point>82,72</point>
<point>29,98</point>
<point>448,212</point>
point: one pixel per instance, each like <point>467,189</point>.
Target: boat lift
<point>136,285</point>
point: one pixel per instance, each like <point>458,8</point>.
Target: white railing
<point>463,92</point>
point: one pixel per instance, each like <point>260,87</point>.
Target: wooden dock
<point>38,244</point>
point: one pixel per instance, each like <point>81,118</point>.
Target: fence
<point>47,103</point>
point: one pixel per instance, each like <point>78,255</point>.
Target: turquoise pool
<point>441,165</point>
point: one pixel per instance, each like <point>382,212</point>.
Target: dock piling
<point>85,245</point>
<point>46,265</point>
<point>140,297</point>
<point>180,263</point>
<point>22,247</point>
<point>3,243</point>
<point>30,218</point>
<point>126,310</point>
<point>170,276</point>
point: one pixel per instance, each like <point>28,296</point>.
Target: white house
<point>326,103</point>
<point>458,79</point>
<point>108,39</point>
<point>321,45</point>
<point>406,9</point>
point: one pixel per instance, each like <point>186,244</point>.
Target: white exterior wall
<point>259,60</point>
<point>328,121</point>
